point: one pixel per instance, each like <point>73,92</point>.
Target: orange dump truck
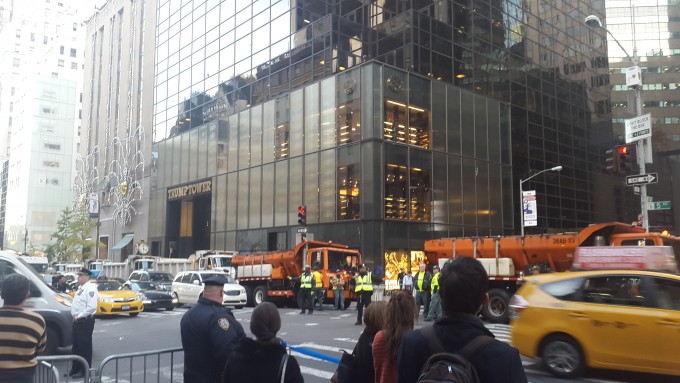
<point>275,276</point>
<point>508,258</point>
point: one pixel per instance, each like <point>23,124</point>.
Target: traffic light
<point>302,215</point>
<point>627,160</point>
<point>612,160</point>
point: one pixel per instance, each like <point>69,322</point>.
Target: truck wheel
<point>53,340</point>
<point>249,296</point>
<point>496,311</point>
<point>260,295</point>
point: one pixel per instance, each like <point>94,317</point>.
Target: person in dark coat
<point>462,286</point>
<point>260,359</point>
<point>209,334</point>
<point>374,319</point>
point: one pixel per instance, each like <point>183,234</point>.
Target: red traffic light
<point>623,150</point>
<point>302,215</point>
<point>301,210</point>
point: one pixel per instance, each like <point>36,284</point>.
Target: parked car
<point>115,298</point>
<point>621,320</point>
<point>162,280</point>
<point>153,298</point>
<point>188,287</point>
<point>55,307</point>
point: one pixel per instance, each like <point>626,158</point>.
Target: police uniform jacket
<point>209,334</point>
<point>85,301</point>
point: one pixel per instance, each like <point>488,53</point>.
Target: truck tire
<point>249,296</point>
<point>53,340</point>
<point>496,310</point>
<point>260,295</point>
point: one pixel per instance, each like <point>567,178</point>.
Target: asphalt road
<point>325,332</point>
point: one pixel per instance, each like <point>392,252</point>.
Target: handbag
<point>347,371</point>
<point>282,368</point>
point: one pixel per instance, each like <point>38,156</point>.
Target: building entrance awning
<point>123,242</point>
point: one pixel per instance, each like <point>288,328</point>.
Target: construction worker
<point>364,288</point>
<point>422,281</point>
<point>435,304</point>
<point>306,292</point>
<point>318,288</point>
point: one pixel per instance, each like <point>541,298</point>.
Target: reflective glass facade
<point>392,121</point>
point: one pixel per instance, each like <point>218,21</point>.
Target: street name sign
<point>642,179</point>
<point>659,205</point>
<point>638,128</point>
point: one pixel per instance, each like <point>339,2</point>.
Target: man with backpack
<point>470,351</point>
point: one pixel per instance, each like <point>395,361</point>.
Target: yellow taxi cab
<point>610,319</point>
<point>115,298</point>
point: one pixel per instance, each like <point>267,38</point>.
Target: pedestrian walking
<point>306,291</point>
<point>435,303</point>
<point>83,309</point>
<point>22,332</point>
<point>462,286</point>
<point>374,319</point>
<point>209,333</point>
<point>422,281</point>
<point>363,286</point>
<point>401,314</point>
<point>338,285</point>
<point>264,358</point>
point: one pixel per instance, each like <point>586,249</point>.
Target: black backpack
<point>443,366</point>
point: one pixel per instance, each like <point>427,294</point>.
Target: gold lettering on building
<point>189,190</point>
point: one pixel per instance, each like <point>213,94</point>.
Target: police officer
<point>318,287</point>
<point>307,282</point>
<point>435,303</point>
<point>422,281</point>
<point>209,333</point>
<point>82,310</point>
<point>363,286</point>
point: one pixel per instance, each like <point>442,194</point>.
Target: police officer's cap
<point>362,266</point>
<point>85,271</point>
<point>435,267</point>
<point>307,267</point>
<point>216,280</point>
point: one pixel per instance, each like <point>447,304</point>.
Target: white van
<point>52,305</point>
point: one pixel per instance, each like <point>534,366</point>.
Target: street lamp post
<point>521,192</point>
<point>595,22</point>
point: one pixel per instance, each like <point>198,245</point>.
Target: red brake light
<point>516,306</point>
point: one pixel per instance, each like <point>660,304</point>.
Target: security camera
<point>593,21</point>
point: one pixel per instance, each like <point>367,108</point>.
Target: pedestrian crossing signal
<point>302,215</point>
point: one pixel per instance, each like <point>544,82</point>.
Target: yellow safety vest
<point>419,283</point>
<point>318,280</point>
<point>306,281</point>
<point>334,281</point>
<point>363,283</point>
<point>435,282</point>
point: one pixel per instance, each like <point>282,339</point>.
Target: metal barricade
<point>53,369</point>
<point>165,365</point>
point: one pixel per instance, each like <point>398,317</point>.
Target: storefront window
<point>349,122</point>
<point>408,193</point>
<point>348,192</point>
<point>406,124</point>
<point>401,260</point>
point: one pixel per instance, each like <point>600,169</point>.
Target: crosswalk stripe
<point>321,347</point>
<point>316,372</point>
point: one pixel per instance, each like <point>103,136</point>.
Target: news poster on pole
<point>529,208</point>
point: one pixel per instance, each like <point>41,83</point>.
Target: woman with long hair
<point>401,314</point>
<point>374,318</point>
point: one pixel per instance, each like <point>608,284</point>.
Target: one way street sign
<point>642,179</point>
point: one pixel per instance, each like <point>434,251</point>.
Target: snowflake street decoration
<point>125,174</point>
<point>86,180</point>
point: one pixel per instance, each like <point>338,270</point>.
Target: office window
<point>45,40</point>
<point>16,62</point>
<point>75,27</point>
<point>55,75</point>
<point>18,33</point>
<point>74,65</point>
<point>32,36</point>
<point>61,50</point>
<point>60,63</point>
<point>51,164</point>
<point>73,52</point>
<point>51,146</point>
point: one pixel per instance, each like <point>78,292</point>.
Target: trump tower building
<point>392,121</point>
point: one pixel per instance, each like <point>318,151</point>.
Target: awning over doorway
<point>123,242</point>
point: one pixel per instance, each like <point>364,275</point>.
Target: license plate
<point>126,307</point>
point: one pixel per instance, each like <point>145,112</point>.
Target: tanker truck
<point>275,276</point>
<point>508,258</point>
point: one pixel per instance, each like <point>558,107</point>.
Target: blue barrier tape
<point>315,354</point>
